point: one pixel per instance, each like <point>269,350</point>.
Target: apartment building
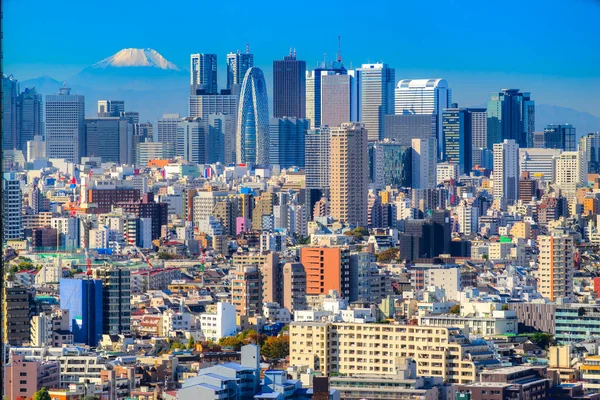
<point>353,348</point>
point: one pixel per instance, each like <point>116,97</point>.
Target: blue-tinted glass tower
<point>83,299</point>
<point>252,134</point>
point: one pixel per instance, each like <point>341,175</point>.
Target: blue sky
<point>550,48</point>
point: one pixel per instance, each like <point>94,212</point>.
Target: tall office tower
<point>289,87</point>
<point>15,313</point>
<point>10,93</point>
<point>201,106</point>
<point>338,99</point>
<point>570,171</point>
<point>314,91</point>
<point>457,133</point>
<point>221,139</point>
<point>561,137</point>
<point>12,206</point>
<point>510,115</point>
<point>287,141</point>
<point>556,266</point>
<point>237,65</point>
<point>424,163</point>
<point>166,130</point>
<point>83,299</point>
<point>349,173</point>
<point>589,146</point>
<point>317,158</point>
<point>404,128</point>
<point>110,138</point>
<point>424,97</point>
<point>203,73</point>
<point>506,171</point>
<point>116,299</point>
<point>478,117</point>
<point>327,268</point>
<point>252,133</point>
<point>111,108</point>
<point>65,125</point>
<point>376,88</point>
<point>390,164</point>
<point>191,140</point>
<point>30,116</point>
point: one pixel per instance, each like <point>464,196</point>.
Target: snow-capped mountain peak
<point>136,58</point>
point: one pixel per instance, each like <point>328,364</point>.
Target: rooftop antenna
<point>290,51</point>
<point>339,54</point>
<point>325,58</point>
<point>294,53</point>
<point>247,48</point>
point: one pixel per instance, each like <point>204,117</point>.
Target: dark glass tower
<point>289,87</point>
<point>510,115</point>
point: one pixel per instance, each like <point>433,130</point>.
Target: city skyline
<point>472,74</point>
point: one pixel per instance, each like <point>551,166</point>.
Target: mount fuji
<point>136,58</point>
<point>147,82</point>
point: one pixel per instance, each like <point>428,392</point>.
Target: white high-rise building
<point>424,163</point>
<point>201,106</point>
<point>467,216</point>
<point>36,149</point>
<point>65,125</point>
<point>12,220</point>
<point>538,162</point>
<point>203,73</point>
<point>506,171</point>
<point>376,87</point>
<point>570,171</point>
<point>424,96</point>
<point>317,158</point>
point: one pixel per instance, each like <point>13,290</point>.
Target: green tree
<point>455,309</point>
<point>504,307</point>
<point>42,394</point>
<point>542,339</point>
<point>388,255</point>
<point>25,265</point>
<point>276,347</point>
<point>191,343</point>
<point>164,256</point>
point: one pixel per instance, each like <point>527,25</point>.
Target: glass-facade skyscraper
<point>510,115</point>
<point>30,116</point>
<point>458,130</point>
<point>424,97</point>
<point>560,137</point>
<point>289,87</point>
<point>252,134</point>
<point>315,92</point>
<point>389,164</point>
<point>203,73</point>
<point>65,125</point>
<point>237,65</point>
<point>375,84</point>
<point>10,91</point>
<point>287,141</point>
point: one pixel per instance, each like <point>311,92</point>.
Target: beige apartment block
<point>350,348</point>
